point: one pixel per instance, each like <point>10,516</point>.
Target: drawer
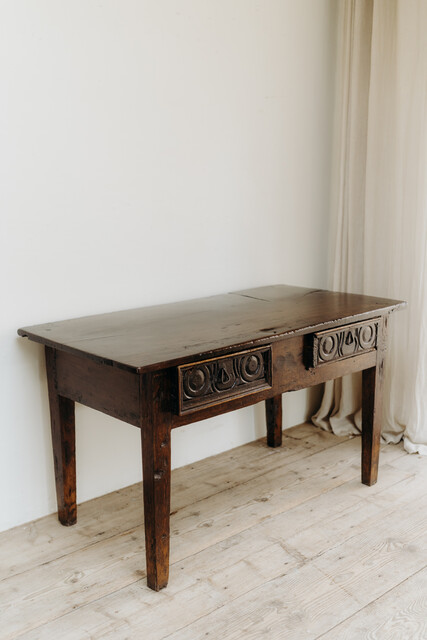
<point>208,382</point>
<point>343,342</point>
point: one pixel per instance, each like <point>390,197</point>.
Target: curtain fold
<point>379,202</point>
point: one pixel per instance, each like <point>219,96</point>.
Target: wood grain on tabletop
<point>160,336</point>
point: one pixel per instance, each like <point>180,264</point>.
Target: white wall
<point>151,151</point>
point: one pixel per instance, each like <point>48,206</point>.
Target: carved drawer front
<point>342,342</point>
<point>208,382</point>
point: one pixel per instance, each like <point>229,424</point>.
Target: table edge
<point>223,350</point>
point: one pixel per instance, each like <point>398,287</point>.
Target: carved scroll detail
<point>210,381</point>
<point>343,342</point>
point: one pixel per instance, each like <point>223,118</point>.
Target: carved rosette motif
<point>343,342</point>
<point>210,381</point>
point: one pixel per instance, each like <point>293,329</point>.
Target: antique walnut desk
<point>162,367</point>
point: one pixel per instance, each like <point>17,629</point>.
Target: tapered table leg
<point>371,423</point>
<point>156,463</point>
<point>273,414</point>
<point>63,443</point>
<point>372,406</point>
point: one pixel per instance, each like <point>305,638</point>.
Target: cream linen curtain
<point>379,202</point>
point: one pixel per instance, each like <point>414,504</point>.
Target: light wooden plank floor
<point>275,543</point>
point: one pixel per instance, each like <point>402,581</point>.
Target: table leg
<point>273,414</point>
<point>63,443</point>
<point>372,384</point>
<point>156,464</point>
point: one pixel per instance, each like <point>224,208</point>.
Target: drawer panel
<point>217,380</point>
<point>347,341</point>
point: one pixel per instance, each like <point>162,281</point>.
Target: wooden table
<point>162,367</point>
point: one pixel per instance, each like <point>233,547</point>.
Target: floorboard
<point>282,543</point>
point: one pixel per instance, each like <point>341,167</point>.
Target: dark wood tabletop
<point>150,338</point>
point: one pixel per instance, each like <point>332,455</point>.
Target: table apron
<point>99,386</point>
<point>117,392</point>
<point>289,373</point>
